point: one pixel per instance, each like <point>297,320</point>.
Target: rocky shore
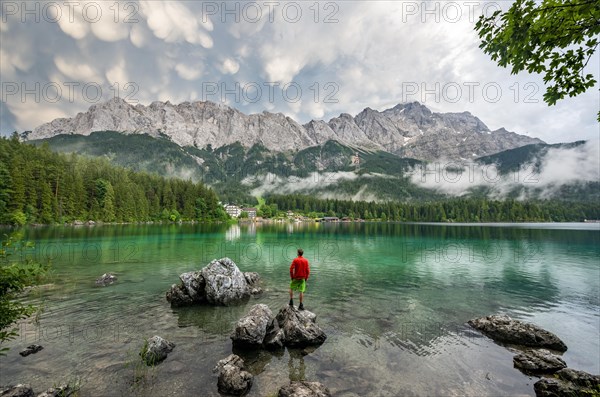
<point>538,355</point>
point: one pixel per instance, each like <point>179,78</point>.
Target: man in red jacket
<point>299,272</point>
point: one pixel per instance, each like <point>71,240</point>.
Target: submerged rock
<point>156,350</point>
<point>106,279</point>
<point>233,379</point>
<point>251,329</point>
<point>568,382</point>
<point>31,349</point>
<point>538,362</point>
<point>20,390</point>
<point>294,328</point>
<point>219,283</point>
<point>64,390</point>
<point>304,389</point>
<point>502,328</point>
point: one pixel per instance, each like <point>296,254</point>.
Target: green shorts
<point>298,285</point>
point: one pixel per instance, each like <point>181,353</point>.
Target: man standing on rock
<point>299,272</point>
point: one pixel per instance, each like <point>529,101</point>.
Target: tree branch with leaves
<point>555,38</point>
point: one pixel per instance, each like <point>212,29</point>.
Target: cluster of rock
<point>259,329</point>
<point>568,382</point>
<point>235,380</point>
<point>219,283</point>
<point>25,390</point>
<point>304,389</point>
<point>291,327</point>
<point>537,357</point>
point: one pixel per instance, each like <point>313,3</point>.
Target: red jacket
<point>299,268</point>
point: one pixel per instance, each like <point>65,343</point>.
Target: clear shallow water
<point>393,299</point>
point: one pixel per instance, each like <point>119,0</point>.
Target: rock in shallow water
<point>568,382</point>
<point>294,328</point>
<point>31,349</point>
<point>106,279</point>
<point>20,390</point>
<point>304,389</point>
<point>59,391</point>
<point>225,283</point>
<point>538,362</point>
<point>156,350</point>
<point>219,283</point>
<point>502,328</point>
<point>291,327</point>
<point>251,329</point>
<point>233,379</point>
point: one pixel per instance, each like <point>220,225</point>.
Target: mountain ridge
<point>407,130</point>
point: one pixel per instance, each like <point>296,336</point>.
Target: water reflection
<point>392,298</point>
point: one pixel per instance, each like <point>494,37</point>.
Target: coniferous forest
<point>41,186</point>
<point>451,210</point>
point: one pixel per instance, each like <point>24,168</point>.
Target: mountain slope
<point>409,130</point>
<point>330,170</point>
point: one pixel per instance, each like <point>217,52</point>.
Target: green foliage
<point>555,38</point>
<point>40,186</point>
<point>143,373</point>
<point>244,215</point>
<point>15,276</point>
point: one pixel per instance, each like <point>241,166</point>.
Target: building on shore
<point>251,212</point>
<point>232,210</point>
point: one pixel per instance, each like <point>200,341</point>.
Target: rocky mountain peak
<point>409,129</point>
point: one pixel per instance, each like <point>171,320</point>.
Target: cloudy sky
<point>308,60</point>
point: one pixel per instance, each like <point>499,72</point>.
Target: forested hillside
<point>41,186</point>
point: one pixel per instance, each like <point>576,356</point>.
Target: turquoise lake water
<point>392,298</point>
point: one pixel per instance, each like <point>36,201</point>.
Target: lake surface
<point>392,298</point>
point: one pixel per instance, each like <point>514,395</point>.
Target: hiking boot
<point>291,302</point>
<point>301,307</point>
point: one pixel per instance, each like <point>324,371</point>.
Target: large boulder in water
<point>225,283</point>
<point>539,361</point>
<point>294,328</point>
<point>233,379</point>
<point>504,329</point>
<point>218,283</point>
<point>251,329</point>
<point>304,389</point>
<point>568,382</point>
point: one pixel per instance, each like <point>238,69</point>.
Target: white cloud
<point>558,167</point>
<point>188,72</point>
<point>372,54</point>
<point>229,66</point>
<point>118,73</point>
<point>138,36</point>
<point>76,70</point>
<point>174,22</point>
<point>71,20</point>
